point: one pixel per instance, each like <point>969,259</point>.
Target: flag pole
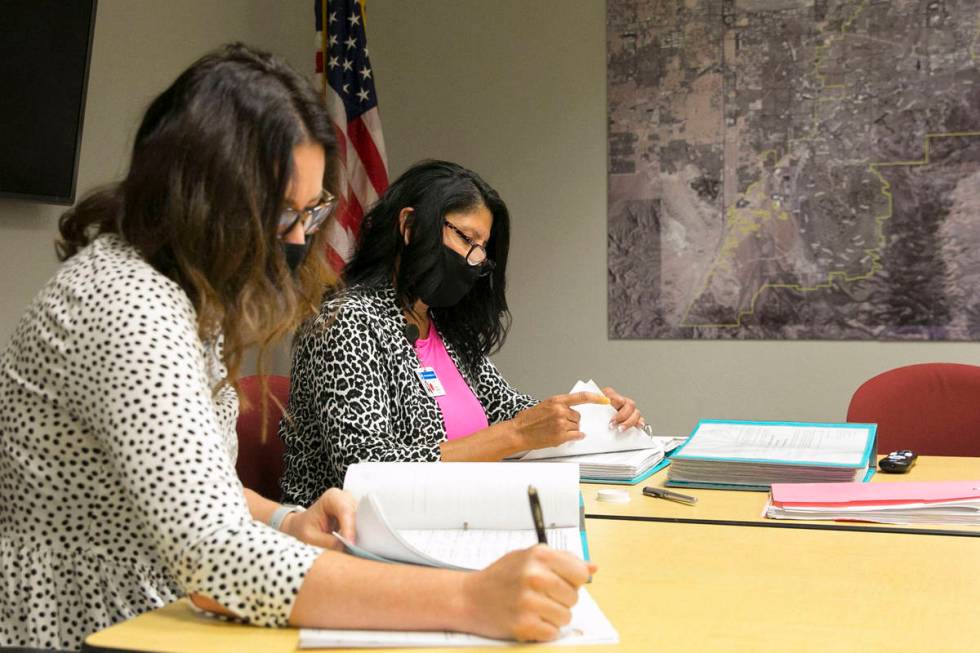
<point>323,45</point>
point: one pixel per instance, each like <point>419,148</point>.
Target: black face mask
<point>448,281</point>
<point>295,254</point>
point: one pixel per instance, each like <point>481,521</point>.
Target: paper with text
<point>798,443</point>
<point>480,549</point>
<point>450,548</point>
<point>467,495</point>
<point>600,437</point>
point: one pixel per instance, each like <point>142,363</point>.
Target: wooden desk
<point>672,587</point>
<point>735,505</point>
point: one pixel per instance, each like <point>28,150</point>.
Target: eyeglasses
<point>477,254</point>
<point>312,218</point>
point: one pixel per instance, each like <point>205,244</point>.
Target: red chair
<point>931,408</point>
<point>260,463</point>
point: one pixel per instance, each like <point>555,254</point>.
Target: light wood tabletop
<point>741,506</point>
<point>691,587</point>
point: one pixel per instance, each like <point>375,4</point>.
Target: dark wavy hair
<point>207,181</point>
<point>478,324</point>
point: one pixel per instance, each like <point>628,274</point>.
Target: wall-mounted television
<point>45,48</point>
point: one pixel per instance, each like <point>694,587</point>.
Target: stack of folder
<point>618,467</point>
<point>744,455</point>
<point>930,502</point>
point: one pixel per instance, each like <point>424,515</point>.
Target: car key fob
<point>897,462</point>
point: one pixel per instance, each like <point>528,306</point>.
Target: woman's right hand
<point>552,422</point>
<point>526,595</point>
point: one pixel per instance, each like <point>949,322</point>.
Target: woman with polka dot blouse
<point>118,491</point>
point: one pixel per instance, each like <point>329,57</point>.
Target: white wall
<point>517,91</point>
<point>140,46</point>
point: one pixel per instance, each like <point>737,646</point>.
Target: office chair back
<point>260,463</point>
<point>930,408</point>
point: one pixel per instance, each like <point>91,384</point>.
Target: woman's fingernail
<point>621,428</point>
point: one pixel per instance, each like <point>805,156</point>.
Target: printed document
<point>600,437</point>
<point>461,515</point>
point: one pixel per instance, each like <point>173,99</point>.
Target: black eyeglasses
<point>312,218</point>
<point>477,254</point>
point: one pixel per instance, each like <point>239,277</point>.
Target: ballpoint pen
<point>536,514</point>
<point>661,493</point>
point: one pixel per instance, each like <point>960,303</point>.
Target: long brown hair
<point>210,167</point>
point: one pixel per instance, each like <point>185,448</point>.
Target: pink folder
<point>872,494</point>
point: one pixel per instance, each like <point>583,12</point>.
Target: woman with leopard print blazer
<point>424,298</point>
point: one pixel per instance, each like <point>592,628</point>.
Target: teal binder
<point>866,461</point>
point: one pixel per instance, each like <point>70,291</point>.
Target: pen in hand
<point>536,514</point>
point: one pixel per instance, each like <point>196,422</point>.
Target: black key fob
<point>897,462</point>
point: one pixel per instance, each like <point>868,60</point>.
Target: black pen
<point>536,514</point>
<point>667,494</point>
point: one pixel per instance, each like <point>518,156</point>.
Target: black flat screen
<point>45,47</point>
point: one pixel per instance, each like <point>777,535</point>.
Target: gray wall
<point>140,46</point>
<point>516,90</point>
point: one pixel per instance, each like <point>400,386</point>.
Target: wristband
<point>279,515</point>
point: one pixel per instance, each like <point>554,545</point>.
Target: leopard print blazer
<point>354,395</point>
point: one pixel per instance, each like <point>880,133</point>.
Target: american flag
<point>344,69</point>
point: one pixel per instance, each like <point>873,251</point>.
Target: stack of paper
<point>754,455</point>
<point>934,502</point>
<point>618,466</point>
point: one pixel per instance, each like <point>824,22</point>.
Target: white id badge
<point>430,381</point>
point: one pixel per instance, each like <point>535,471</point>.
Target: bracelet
<point>279,515</point>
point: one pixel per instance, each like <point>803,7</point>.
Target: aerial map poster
<point>794,169</point>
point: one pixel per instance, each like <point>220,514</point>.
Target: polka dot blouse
<point>118,491</point>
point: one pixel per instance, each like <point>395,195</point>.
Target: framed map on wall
<point>794,169</point>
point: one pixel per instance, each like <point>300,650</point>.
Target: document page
<point>599,436</point>
<point>817,444</point>
<point>478,549</point>
<point>378,540</point>
<point>451,548</point>
<point>588,626</point>
<point>630,459</point>
<point>467,495</point>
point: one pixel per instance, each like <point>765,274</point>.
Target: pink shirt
<point>462,412</point>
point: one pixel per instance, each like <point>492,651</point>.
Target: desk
<point>735,505</point>
<point>672,587</point>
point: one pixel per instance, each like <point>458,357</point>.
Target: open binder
<point>605,455</point>
<point>462,515</point>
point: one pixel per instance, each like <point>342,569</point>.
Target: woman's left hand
<point>627,415</point>
<point>333,511</point>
